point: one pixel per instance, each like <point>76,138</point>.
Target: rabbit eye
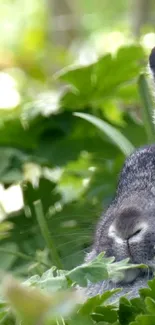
<point>137,232</point>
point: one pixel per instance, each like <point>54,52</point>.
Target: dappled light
<point>9,95</point>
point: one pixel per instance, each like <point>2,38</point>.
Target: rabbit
<point>127,228</point>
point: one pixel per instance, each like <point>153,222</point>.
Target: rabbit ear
<point>152,61</point>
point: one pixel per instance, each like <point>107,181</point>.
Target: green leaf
<point>84,273</point>
<point>80,320</point>
<point>80,78</point>
<point>144,320</point>
<point>49,282</point>
<point>150,291</point>
<point>101,268</point>
<point>106,314</point>
<point>91,303</point>
<point>150,303</point>
<point>127,312</point>
<point>90,84</point>
<point>115,270</point>
<point>31,305</point>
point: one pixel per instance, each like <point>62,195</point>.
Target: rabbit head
<point>127,228</point>
<point>128,231</point>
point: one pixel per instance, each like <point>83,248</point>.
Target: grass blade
<point>147,108</point>
<point>46,234</point>
<point>113,134</point>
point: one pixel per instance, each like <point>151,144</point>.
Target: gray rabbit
<point>127,228</point>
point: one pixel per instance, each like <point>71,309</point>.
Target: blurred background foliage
<point>48,152</point>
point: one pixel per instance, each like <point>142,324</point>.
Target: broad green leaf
<point>150,304</point>
<point>78,77</point>
<point>144,320</point>
<point>90,84</point>
<point>127,312</point>
<point>85,273</point>
<point>51,283</point>
<point>101,268</point>
<point>106,314</point>
<point>150,291</point>
<point>91,303</point>
<point>80,320</point>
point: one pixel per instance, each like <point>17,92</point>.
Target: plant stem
<point>147,108</point>
<point>22,255</point>
<point>46,234</point>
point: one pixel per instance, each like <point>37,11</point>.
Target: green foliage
<point>67,168</point>
<point>92,84</point>
<point>78,170</point>
<point>51,298</point>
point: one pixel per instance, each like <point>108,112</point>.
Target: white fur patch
<point>112,234</point>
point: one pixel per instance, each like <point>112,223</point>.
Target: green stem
<point>23,256</point>
<point>46,234</point>
<point>147,111</point>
